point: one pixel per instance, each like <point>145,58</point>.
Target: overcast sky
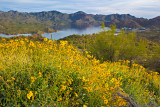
<point>138,8</point>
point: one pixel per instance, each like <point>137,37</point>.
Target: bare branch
<point>128,100</point>
<point>1,79</point>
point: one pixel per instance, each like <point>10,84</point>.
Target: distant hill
<point>124,23</point>
<point>154,23</point>
<point>80,19</point>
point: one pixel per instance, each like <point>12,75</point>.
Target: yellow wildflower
<point>22,42</point>
<point>33,79</point>
<point>31,44</point>
<point>12,84</point>
<point>76,94</point>
<point>13,78</point>
<point>70,88</point>
<point>29,95</point>
<point>45,39</point>
<point>19,92</point>
<point>8,80</point>
<point>105,101</point>
<point>63,87</point>
<point>63,82</point>
<point>83,79</point>
<point>89,89</point>
<point>35,92</point>
<point>112,80</point>
<point>16,40</point>
<point>59,99</point>
<point>62,43</point>
<point>32,98</point>
<point>84,106</point>
<point>89,56</point>
<point>40,74</point>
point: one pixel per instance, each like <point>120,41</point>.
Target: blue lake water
<point>7,36</point>
<point>65,32</point>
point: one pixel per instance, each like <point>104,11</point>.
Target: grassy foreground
<point>47,73</point>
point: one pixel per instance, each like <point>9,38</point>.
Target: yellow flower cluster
<point>29,95</point>
<point>59,72</point>
<point>33,78</point>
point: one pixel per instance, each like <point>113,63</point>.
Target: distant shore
<point>32,33</point>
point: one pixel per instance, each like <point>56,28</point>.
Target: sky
<point>139,8</point>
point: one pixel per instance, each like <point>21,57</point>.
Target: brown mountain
<point>154,23</point>
<point>80,19</point>
<point>124,23</point>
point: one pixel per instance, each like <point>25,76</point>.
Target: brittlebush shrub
<point>109,46</point>
<point>47,73</point>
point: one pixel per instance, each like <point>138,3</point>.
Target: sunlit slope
<point>47,73</point>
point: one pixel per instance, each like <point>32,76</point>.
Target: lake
<point>8,36</point>
<point>65,32</point>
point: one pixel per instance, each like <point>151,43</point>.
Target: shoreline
<point>25,34</point>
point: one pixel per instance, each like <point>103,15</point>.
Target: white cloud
<point>140,8</point>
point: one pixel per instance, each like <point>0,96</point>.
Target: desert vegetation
<point>43,72</point>
<point>108,46</point>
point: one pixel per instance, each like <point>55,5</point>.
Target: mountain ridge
<point>58,20</point>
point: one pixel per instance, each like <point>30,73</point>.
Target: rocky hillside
<point>80,19</point>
